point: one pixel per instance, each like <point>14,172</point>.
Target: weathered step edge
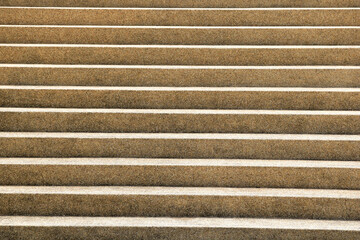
<point>180,172</point>
<point>175,228</point>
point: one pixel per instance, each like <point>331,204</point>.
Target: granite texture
<point>180,172</point>
<point>179,121</point>
<point>180,202</point>
<point>180,76</point>
<point>179,55</point>
<point>184,3</point>
<point>180,35</point>
<point>232,146</point>
<point>181,98</point>
<point>180,17</point>
<point>174,228</point>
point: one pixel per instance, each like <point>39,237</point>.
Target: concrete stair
<point>179,119</point>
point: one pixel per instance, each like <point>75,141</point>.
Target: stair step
<point>180,4</point>
<point>175,228</point>
<point>180,35</point>
<point>181,97</point>
<point>178,121</point>
<point>180,76</point>
<point>180,202</point>
<point>181,16</point>
<point>179,54</point>
<point>180,172</point>
<point>176,145</point>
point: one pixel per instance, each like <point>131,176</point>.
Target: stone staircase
<point>134,119</point>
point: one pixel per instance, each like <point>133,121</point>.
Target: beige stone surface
<point>180,202</point>
<point>178,121</point>
<point>184,3</point>
<point>180,172</point>
<point>179,54</point>
<point>181,35</point>
<point>181,97</point>
<point>157,145</point>
<point>180,76</point>
<point>174,228</point>
<point>180,17</point>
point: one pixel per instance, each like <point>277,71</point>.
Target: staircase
<point>217,119</point>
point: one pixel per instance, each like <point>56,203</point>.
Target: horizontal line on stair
<point>194,9</point>
<point>184,136</point>
<point>182,191</point>
<point>171,89</point>
<point>184,46</point>
<point>182,111</point>
<point>182,162</point>
<point>166,222</point>
<point>170,66</point>
<point>181,27</point>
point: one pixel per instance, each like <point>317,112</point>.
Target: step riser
<point>181,4</point>
<point>189,36</point>
<point>184,17</point>
<point>124,55</point>
<point>186,176</point>
<point>179,99</point>
<point>179,206</point>
<point>177,233</point>
<point>178,123</point>
<point>180,148</point>
<point>179,77</point>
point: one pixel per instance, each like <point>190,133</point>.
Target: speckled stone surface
<point>174,228</point>
<point>178,121</point>
<point>180,76</point>
<point>180,17</point>
<point>150,145</point>
<point>179,55</point>
<point>180,172</point>
<point>181,98</point>
<point>181,35</point>
<point>184,3</point>
<point>183,119</point>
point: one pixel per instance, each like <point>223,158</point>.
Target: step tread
<point>182,191</point>
<point>255,223</point>
<point>182,162</point>
<point>184,136</point>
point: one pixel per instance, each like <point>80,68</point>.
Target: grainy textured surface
<point>227,119</point>
<point>184,3</point>
<point>180,172</point>
<point>179,55</point>
<point>180,202</point>
<point>178,121</point>
<point>254,146</point>
<point>181,76</point>
<point>180,17</point>
<point>181,98</point>
<point>174,228</point>
<point>181,35</point>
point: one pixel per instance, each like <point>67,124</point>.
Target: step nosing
<point>166,222</point>
<point>182,191</point>
<point>181,89</point>
<point>151,162</point>
<point>172,66</point>
<point>182,136</point>
<point>41,45</point>
<point>181,111</point>
<point>187,8</point>
<point>178,27</point>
